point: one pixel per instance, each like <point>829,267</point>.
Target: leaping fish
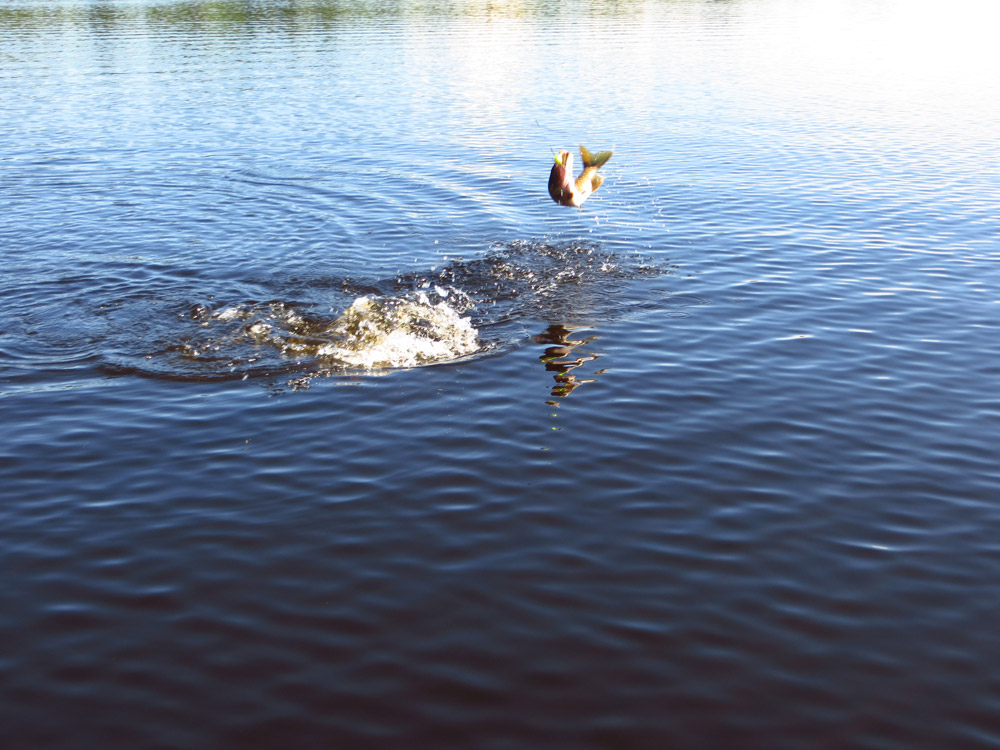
<point>563,190</point>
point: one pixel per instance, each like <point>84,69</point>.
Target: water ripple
<point>721,470</point>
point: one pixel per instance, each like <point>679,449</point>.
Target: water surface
<point>709,463</point>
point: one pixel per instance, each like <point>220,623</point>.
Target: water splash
<point>374,332</point>
<point>330,326</point>
<point>399,332</point>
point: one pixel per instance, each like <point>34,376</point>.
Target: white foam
<point>376,332</point>
<point>230,313</point>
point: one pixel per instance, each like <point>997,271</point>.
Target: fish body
<point>569,192</point>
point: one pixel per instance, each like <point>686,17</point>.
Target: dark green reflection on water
<point>219,14</point>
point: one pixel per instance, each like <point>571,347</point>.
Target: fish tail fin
<point>594,160</point>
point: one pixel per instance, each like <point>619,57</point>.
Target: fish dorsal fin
<point>594,160</point>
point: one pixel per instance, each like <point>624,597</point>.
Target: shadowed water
<point>323,426</point>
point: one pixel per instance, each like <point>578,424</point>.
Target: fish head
<point>565,160</point>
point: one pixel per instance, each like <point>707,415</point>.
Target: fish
<point>563,189</point>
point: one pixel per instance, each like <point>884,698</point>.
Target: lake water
<point>324,427</point>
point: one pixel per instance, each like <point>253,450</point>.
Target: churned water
<point>323,426</point>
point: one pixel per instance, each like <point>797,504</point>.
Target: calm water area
<point>323,426</point>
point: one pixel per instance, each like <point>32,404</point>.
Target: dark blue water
<point>716,463</point>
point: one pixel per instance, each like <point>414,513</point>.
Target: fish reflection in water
<point>559,358</point>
